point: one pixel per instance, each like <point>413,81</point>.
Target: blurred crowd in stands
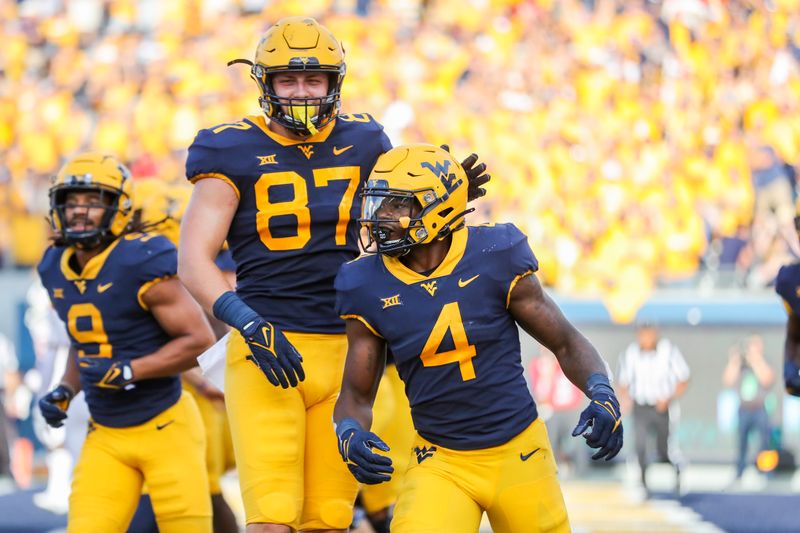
<point>639,143</point>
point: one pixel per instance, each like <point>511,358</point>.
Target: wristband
<point>233,311</point>
<point>346,425</point>
<point>598,383</point>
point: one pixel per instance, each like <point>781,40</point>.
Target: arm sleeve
<point>158,262</point>
<point>206,160</point>
<point>349,304</point>
<point>787,286</point>
<point>514,259</point>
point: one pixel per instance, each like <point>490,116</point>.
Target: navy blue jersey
<point>454,342</point>
<point>298,205</point>
<point>106,317</point>
<point>224,261</point>
<point>787,285</point>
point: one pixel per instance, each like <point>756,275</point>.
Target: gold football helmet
<point>419,187</point>
<point>298,44</point>
<point>92,171</point>
<point>159,206</point>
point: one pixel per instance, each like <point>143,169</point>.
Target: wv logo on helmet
<point>443,171</point>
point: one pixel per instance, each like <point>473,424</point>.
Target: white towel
<point>212,362</point>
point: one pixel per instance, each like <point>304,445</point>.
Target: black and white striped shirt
<point>653,375</point>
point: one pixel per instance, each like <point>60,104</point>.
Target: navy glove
<point>54,405</point>
<point>604,417</point>
<point>355,447</point>
<point>273,353</point>
<point>107,373</point>
<point>791,377</point>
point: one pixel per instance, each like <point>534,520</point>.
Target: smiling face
<point>300,85</point>
<point>84,210</point>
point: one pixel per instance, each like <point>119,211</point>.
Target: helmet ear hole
<point>444,213</point>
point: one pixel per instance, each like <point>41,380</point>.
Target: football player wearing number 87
<point>282,188</point>
<point>446,299</point>
<point>133,329</point>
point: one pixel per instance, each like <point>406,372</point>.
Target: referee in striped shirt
<point>652,374</point>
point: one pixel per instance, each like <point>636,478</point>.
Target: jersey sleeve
<point>513,257</point>
<point>786,285</point>
<point>155,260</point>
<point>206,159</point>
<point>350,304</point>
<point>45,266</point>
<point>224,261</point>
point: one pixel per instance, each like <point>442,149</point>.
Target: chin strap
<point>454,224</point>
<point>236,61</point>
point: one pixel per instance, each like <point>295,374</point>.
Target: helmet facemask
<point>306,116</point>
<point>396,222</point>
<point>90,237</point>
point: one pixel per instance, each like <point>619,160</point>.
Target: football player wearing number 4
<point>133,328</point>
<point>282,189</point>
<point>446,300</point>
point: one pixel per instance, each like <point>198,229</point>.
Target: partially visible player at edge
<point>446,300</point>
<point>281,188</point>
<point>133,329</point>
<point>787,285</point>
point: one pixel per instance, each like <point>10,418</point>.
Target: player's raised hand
<point>355,447</point>
<point>107,373</point>
<point>272,352</point>
<point>604,417</point>
<point>54,405</point>
<point>791,377</point>
<point>475,175</point>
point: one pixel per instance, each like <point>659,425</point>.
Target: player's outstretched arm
<point>791,355</point>
<point>541,318</point>
<point>366,359</point>
<point>203,231</point>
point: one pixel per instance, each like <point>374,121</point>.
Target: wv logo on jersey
<point>307,149</point>
<point>424,452</point>
<point>391,301</point>
<point>443,171</point>
<point>430,287</point>
<point>81,285</point>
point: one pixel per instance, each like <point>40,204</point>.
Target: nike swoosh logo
<point>339,151</point>
<point>103,288</point>
<point>165,424</point>
<point>526,457</point>
<point>464,283</point>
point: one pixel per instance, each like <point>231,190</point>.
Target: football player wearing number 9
<point>133,328</point>
<point>281,187</point>
<point>446,300</point>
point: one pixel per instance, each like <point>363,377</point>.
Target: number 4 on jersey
<point>462,353</point>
